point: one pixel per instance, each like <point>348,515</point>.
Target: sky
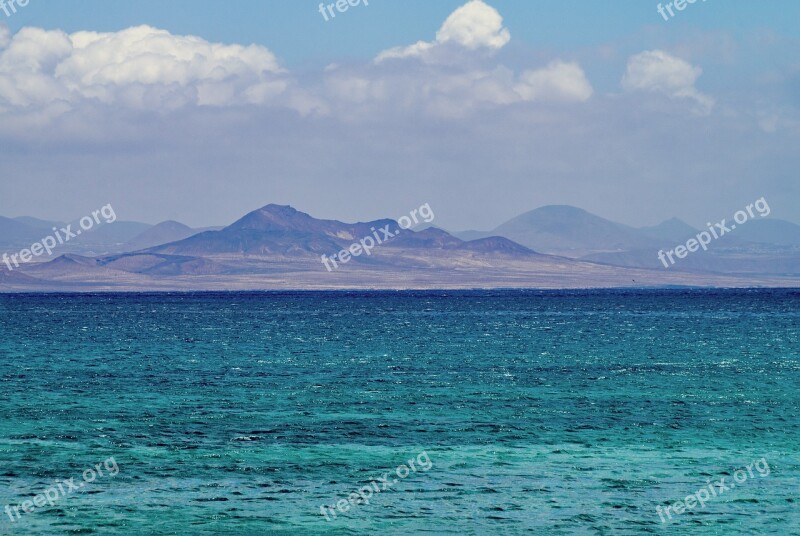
<point>201,111</point>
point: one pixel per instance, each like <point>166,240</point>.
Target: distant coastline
<point>278,248</point>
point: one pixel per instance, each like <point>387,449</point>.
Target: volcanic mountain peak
<point>276,218</point>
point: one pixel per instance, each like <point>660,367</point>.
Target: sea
<point>608,412</point>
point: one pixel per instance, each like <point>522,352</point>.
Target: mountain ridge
<point>284,230</point>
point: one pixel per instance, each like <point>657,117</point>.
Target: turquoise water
<point>540,412</point>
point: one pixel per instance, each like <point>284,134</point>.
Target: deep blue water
<point>541,412</point>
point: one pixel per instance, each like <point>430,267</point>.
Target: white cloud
<point>149,69</point>
<point>452,93</point>
<point>558,81</point>
<point>658,71</point>
<point>5,36</point>
<point>468,83</point>
<point>139,67</point>
<point>475,25</point>
<point>412,51</point>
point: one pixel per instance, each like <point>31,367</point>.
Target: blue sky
<point>298,34</point>
<point>483,110</point>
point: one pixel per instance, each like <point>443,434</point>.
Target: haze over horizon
<point>483,110</point>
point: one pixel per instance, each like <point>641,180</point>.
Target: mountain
<point>495,244</point>
<point>276,230</point>
<point>37,223</point>
<point>271,230</point>
<point>162,233</point>
<point>758,231</point>
<point>279,247</point>
<point>112,235</point>
<point>769,231</point>
<point>17,233</point>
<point>759,247</point>
<point>21,232</point>
<point>471,235</point>
<point>568,231</point>
<point>762,247</point>
<point>670,231</point>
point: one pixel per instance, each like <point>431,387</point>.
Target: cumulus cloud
<point>452,93</point>
<point>139,67</point>
<point>418,49</point>
<point>660,72</point>
<point>475,25</point>
<point>452,76</point>
<point>47,73</point>
<point>558,81</point>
